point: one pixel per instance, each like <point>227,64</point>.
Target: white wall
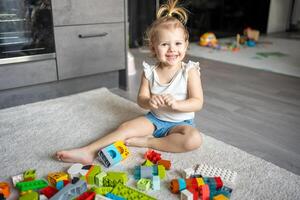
<point>279,14</point>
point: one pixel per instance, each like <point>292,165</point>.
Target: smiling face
<point>170,46</point>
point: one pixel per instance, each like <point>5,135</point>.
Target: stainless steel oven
<point>26,30</point>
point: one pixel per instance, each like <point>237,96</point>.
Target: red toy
<point>152,156</point>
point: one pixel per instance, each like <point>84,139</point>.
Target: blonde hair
<point>169,15</point>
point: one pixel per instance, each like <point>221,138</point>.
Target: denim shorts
<point>163,127</point>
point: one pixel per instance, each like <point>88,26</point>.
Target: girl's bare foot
<point>80,155</point>
<point>137,142</point>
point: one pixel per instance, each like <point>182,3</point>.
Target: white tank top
<point>177,87</point>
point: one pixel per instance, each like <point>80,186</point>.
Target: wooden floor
<point>254,110</point>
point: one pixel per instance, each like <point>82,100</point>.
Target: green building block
<point>101,190</point>
<point>32,195</point>
<point>130,193</point>
<point>147,163</point>
<point>31,185</point>
<point>161,171</point>
<point>95,169</point>
<point>29,174</point>
<point>113,178</point>
<point>99,179</point>
<point>144,184</point>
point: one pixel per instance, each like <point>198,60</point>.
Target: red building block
<point>87,196</point>
<point>204,192</point>
<point>152,156</point>
<point>49,191</point>
<point>219,182</point>
<point>194,192</point>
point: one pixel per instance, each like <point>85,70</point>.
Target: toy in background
<point>113,154</point>
<point>209,40</point>
<point>250,37</point>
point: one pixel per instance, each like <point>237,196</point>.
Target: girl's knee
<point>193,141</point>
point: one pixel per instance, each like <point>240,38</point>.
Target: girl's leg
<point>138,127</point>
<point>179,139</point>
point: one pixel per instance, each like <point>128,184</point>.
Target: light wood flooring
<point>254,110</point>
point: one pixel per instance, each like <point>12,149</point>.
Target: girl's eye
<point>164,44</point>
<point>178,43</point>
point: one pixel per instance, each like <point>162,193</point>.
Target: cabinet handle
<point>92,35</point>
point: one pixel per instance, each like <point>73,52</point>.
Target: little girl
<point>171,90</point>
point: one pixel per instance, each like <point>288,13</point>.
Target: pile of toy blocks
<point>151,172</point>
<point>80,182</point>
<point>204,182</point>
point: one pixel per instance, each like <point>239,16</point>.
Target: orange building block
<point>165,163</point>
<point>4,189</point>
<point>220,197</point>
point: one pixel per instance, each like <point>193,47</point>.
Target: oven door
<point>26,30</point>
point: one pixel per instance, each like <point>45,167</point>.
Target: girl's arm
<point>145,99</point>
<point>194,102</point>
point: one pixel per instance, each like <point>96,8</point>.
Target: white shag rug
<point>31,134</point>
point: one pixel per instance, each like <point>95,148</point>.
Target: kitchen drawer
<point>72,12</point>
<point>101,48</point>
<point>27,73</point>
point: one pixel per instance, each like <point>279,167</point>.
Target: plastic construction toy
<point>31,195</point>
<point>87,196</point>
<point>130,193</point>
<point>153,156</point>
<point>31,185</point>
<point>55,177</point>
<point>208,40</point>
<point>71,191</point>
<point>4,189</point>
<point>149,172</point>
<point>228,177</point>
<point>144,184</point>
<point>113,154</point>
<point>113,178</point>
<point>29,175</point>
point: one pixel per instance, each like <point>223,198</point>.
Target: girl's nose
<point>172,47</point>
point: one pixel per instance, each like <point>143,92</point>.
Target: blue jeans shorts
<point>163,127</point>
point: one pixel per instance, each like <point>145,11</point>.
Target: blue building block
<point>71,191</point>
<point>114,197</point>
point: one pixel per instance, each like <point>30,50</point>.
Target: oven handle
<point>92,35</point>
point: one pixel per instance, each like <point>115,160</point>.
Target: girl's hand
<point>156,101</point>
<point>170,101</point>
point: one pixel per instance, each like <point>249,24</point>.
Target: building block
<point>228,177</point>
<point>16,179</point>
<point>194,192</point>
<point>71,191</point>
<point>204,192</point>
<point>32,195</point>
<point>147,163</point>
<point>144,171</point>
<point>99,178</point>
<point>155,183</point>
<point>130,193</point>
<point>100,197</point>
<point>186,195</point>
<point>113,178</point>
<point>49,191</point>
<point>144,184</point>
<point>101,190</point>
<point>220,197</point>
<point>55,177</point>
<point>165,163</point>
<point>29,175</point>
<point>114,197</point>
<point>113,154</point>
<point>152,155</point>
<point>31,185</point>
<point>93,171</point>
<point>87,196</point>
<point>219,182</point>
<point>74,170</point>
<point>4,189</point>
